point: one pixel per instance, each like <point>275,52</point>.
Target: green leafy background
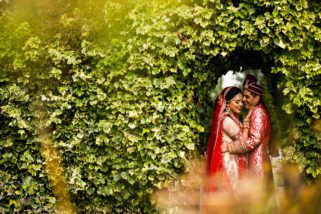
<point>124,87</point>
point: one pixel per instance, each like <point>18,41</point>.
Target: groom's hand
<point>224,148</point>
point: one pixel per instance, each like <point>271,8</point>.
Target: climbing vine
<point>124,91</point>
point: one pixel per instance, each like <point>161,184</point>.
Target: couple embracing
<point>235,148</point>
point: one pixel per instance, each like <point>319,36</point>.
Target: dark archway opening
<point>242,60</point>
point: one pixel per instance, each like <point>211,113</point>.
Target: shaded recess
<point>244,60</point>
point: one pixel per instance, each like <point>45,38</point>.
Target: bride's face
<point>236,104</point>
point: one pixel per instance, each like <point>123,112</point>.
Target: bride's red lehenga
<point>226,128</point>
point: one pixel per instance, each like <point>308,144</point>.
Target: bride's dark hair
<point>232,92</point>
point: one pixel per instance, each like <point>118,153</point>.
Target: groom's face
<point>249,100</point>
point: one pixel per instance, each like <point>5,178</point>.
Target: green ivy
<point>125,88</point>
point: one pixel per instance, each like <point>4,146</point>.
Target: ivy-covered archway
<point>123,86</point>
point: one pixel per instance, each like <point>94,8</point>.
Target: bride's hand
<point>246,120</point>
<point>246,123</point>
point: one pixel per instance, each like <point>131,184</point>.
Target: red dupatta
<point>214,155</point>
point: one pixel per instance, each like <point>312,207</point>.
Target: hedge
<point>121,91</point>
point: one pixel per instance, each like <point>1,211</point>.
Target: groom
<point>257,124</point>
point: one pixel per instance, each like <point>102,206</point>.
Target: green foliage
<point>125,87</point>
<point>23,179</point>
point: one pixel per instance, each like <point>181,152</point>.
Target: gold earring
<point>227,108</point>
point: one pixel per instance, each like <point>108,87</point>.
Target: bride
<point>226,128</point>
